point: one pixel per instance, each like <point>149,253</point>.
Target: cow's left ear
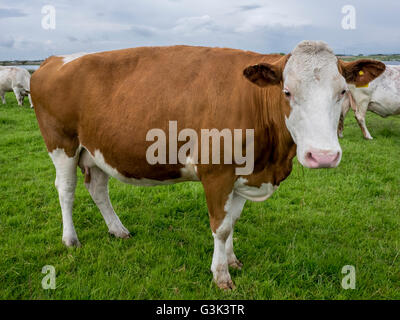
<point>264,74</point>
<point>361,72</point>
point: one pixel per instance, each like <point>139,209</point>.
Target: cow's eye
<point>286,93</point>
<point>343,92</point>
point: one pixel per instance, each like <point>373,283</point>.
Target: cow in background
<point>381,96</point>
<point>17,80</point>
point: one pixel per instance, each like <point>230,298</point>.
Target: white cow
<point>17,80</point>
<point>381,96</point>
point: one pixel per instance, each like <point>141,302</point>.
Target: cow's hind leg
<point>96,182</point>
<point>360,113</point>
<point>3,98</point>
<point>30,100</point>
<point>65,183</point>
<point>18,96</point>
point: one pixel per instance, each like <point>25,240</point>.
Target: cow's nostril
<point>322,159</point>
<point>312,162</point>
<point>310,156</point>
<point>337,157</point>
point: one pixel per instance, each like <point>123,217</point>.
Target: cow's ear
<point>361,72</point>
<point>264,74</point>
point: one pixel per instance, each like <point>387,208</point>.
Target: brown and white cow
<point>291,102</point>
<point>381,96</point>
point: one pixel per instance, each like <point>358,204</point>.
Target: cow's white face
<point>315,90</point>
<point>314,82</point>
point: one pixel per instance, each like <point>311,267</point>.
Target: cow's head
<point>314,82</point>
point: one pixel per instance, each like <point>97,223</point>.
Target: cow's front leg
<point>221,223</point>
<point>219,265</point>
<point>3,99</point>
<point>234,211</point>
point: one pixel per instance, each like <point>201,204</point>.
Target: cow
<point>17,80</point>
<point>292,104</point>
<point>381,96</point>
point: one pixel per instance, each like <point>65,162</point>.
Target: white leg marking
<point>219,265</point>
<point>98,189</point>
<point>234,211</point>
<point>30,100</point>
<point>223,246</point>
<point>65,184</point>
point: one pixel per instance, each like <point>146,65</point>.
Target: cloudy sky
<point>259,25</point>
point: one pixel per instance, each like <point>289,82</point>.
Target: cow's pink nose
<point>322,159</point>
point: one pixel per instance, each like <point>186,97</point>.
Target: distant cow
<point>292,104</point>
<point>381,96</point>
<point>16,80</point>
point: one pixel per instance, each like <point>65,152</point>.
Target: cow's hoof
<point>222,278</point>
<point>226,285</point>
<point>368,138</point>
<point>71,242</point>
<point>120,232</point>
<point>236,264</point>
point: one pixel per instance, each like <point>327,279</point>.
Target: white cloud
<point>190,25</point>
<point>265,17</point>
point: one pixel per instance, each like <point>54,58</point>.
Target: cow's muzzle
<point>316,159</point>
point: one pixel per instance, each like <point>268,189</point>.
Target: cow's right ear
<point>264,74</point>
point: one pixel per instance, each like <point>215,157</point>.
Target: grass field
<point>293,246</point>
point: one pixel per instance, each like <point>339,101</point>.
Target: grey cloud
<point>72,38</point>
<point>194,25</point>
<point>249,7</point>
<point>11,13</point>
<point>143,31</point>
<point>7,42</point>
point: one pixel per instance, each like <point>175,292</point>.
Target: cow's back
<point>110,100</point>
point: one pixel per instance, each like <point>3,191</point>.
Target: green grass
<point>293,246</point>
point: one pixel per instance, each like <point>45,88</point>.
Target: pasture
<point>293,246</point>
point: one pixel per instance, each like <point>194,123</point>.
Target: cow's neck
<point>274,146</point>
